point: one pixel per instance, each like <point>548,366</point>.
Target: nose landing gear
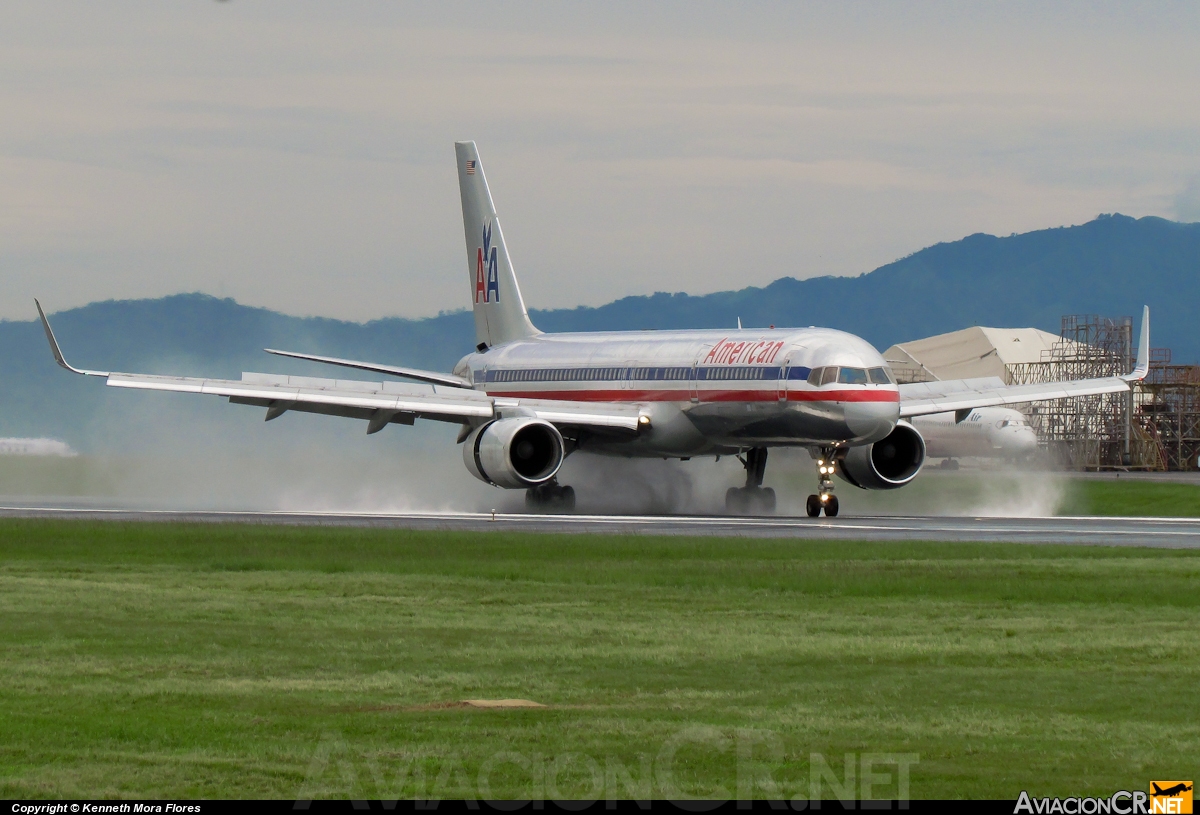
<point>824,499</point>
<point>753,498</point>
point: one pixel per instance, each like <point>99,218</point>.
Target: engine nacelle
<point>888,463</point>
<point>514,453</point>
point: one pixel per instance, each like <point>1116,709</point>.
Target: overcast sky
<point>300,155</point>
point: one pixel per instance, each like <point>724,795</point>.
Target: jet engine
<point>886,464</point>
<point>514,453</point>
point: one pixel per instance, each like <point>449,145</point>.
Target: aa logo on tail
<point>487,280</point>
<point>1171,797</point>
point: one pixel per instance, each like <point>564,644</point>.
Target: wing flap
<point>361,399</point>
<point>975,397</point>
<point>336,393</point>
<point>950,387</point>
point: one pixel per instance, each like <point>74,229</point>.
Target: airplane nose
<point>1026,440</point>
<point>872,421</point>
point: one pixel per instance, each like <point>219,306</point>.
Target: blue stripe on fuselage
<point>636,373</point>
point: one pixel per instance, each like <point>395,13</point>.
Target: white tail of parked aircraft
<point>525,400</point>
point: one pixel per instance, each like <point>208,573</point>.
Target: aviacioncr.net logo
<point>1166,797</point>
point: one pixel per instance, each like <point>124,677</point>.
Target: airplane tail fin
<point>500,314</point>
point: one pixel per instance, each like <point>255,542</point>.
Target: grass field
<point>1134,498</point>
<point>178,660</point>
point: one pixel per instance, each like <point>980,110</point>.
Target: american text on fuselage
<point>706,392</point>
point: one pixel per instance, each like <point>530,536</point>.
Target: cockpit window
<point>879,376</point>
<point>829,374</point>
<point>852,376</point>
<point>814,376</point>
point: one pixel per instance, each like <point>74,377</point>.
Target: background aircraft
<point>525,400</point>
<point>980,433</point>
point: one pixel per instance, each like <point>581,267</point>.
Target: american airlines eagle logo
<point>487,280</point>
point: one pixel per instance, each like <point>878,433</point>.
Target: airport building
<point>969,354</point>
<point>1155,427</point>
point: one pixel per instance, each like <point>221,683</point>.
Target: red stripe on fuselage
<point>681,395</point>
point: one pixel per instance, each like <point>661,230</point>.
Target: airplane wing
<point>379,403</point>
<point>923,398</point>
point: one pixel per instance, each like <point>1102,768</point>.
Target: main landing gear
<point>550,498</point>
<point>754,498</point>
<point>824,499</point>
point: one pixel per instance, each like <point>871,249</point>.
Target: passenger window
<point>853,376</point>
<point>829,375</point>
<point>879,376</point>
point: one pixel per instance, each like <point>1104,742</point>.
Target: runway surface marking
<point>1182,533</point>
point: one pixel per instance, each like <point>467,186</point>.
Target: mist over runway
<point>1166,533</point>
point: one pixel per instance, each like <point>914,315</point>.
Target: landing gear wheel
<point>550,498</point>
<point>766,501</point>
<point>735,501</point>
<point>824,500</point>
<point>754,498</point>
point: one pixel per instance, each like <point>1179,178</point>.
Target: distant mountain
<point>1109,266</point>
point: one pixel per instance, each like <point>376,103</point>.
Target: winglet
<point>1143,358</point>
<point>54,349</point>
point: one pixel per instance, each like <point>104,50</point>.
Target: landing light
<point>824,498</point>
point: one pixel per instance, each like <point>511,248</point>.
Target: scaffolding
<point>1089,432</point>
<point>1169,411</point>
<point>1154,426</point>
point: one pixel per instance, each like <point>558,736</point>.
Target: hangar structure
<point>1156,426</point>
<point>969,353</point>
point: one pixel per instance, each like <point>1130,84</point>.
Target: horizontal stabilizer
<point>432,377</point>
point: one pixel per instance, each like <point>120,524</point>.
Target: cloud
<point>298,155</point>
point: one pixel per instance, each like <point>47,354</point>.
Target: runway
<point>1173,533</point>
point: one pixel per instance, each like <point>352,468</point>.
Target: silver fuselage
<point>705,391</point>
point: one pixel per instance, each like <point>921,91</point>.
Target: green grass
<point>164,660</point>
<point>1134,498</point>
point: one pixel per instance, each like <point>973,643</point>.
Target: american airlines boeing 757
<point>525,399</point>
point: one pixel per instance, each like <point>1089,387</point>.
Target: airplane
<point>525,399</point>
<point>1170,792</point>
<point>981,433</point>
